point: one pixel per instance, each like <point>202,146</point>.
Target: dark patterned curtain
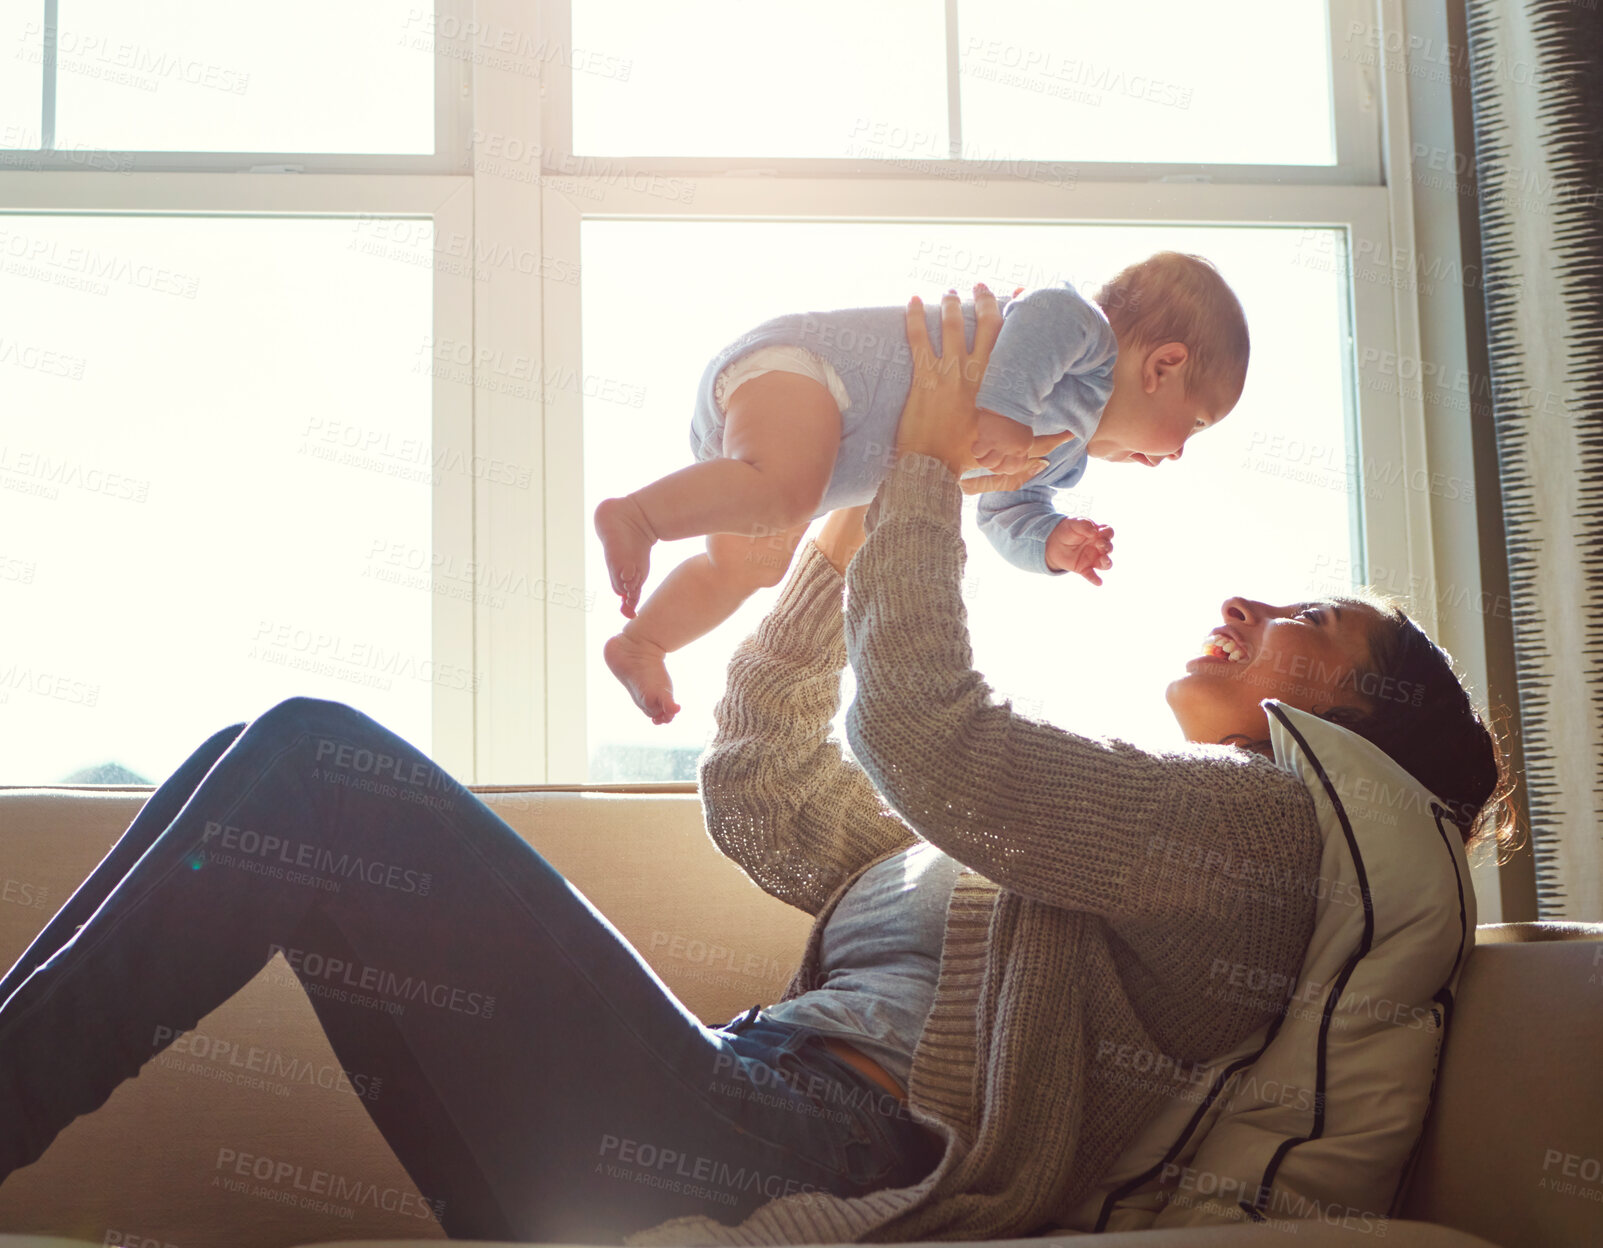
<point>1537,84</point>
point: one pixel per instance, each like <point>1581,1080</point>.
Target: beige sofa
<point>1510,1156</point>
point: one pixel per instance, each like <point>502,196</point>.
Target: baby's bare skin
<point>642,669</point>
<point>754,503</point>
<point>780,440</point>
<point>626,541</point>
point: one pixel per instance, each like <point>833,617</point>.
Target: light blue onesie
<point>1052,369</point>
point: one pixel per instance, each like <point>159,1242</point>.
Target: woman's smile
<point>1223,645</point>
<point>1308,654</point>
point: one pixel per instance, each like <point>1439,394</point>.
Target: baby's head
<point>1182,357</point>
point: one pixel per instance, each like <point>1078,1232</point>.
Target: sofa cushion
<point>1514,1147</point>
<point>1318,1114</point>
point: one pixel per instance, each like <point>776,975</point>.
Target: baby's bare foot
<point>626,539</point>
<point>640,667</point>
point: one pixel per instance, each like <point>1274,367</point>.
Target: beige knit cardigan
<point>1110,891</point>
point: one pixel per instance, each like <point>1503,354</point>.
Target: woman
<point>541,1082</point>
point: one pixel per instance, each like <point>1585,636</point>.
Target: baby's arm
<point>1080,545</point>
<point>1029,533</point>
<point>1018,522</point>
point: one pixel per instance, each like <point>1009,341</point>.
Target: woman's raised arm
<point>1074,821</point>
<point>778,796</point>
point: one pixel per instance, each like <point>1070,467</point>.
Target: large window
<point>169,85</point>
<point>174,75</point>
<point>370,307</point>
<point>233,465</point>
<point>1187,536</point>
<point>703,176</point>
<point>202,537</point>
<point>921,80</point>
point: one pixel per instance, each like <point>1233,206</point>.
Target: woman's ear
<point>1161,362</point>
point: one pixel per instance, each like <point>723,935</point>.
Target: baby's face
<point>1149,417</point>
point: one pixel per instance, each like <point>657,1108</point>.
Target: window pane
<point>22,49</point>
<point>1236,515</point>
<point>819,78</point>
<point>1164,80</point>
<point>294,76</point>
<point>215,432</point>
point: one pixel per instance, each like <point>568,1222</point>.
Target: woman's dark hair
<point>1420,713</point>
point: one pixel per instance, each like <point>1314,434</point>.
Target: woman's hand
<point>939,418</point>
<point>842,535</point>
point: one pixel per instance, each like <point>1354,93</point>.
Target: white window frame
<point>1350,196</point>
<point>221,184</point>
<point>526,722</point>
<point>453,118</point>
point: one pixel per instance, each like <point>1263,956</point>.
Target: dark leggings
<point>539,1081</point>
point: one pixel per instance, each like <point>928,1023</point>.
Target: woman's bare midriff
<point>859,1060</point>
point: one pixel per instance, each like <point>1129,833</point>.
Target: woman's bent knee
<point>302,714</point>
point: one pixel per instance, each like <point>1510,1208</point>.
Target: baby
<point>799,416</point>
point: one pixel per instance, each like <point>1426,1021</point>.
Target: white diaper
<point>778,360</point>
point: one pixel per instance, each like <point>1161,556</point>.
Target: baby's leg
<point>781,435</point>
<point>697,596</point>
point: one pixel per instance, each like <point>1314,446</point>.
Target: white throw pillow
<point>1319,1115</point>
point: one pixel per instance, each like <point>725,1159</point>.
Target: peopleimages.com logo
<point>389,986</point>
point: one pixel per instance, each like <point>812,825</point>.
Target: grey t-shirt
<point>880,954</point>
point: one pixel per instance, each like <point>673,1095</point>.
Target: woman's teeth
<point>1219,646</point>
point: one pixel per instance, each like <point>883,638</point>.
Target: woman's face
<point>1311,655</point>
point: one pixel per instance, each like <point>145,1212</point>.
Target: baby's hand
<point>1080,545</point>
<point>1000,444</point>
